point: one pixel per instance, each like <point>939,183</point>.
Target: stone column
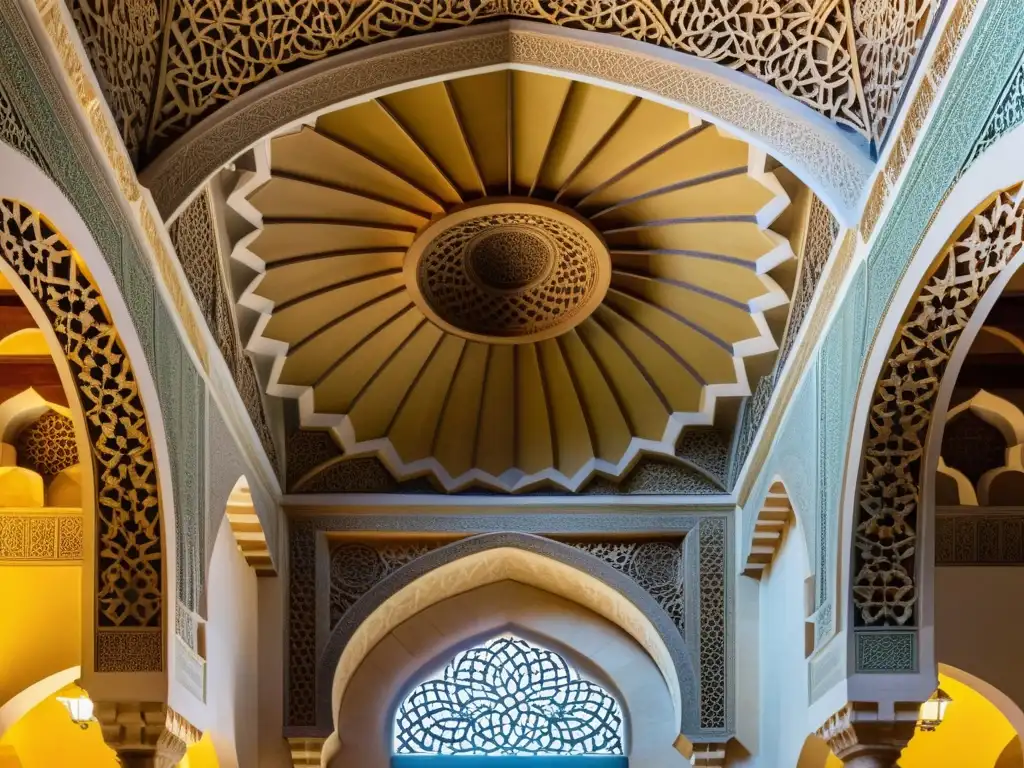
<point>145,734</point>
<point>862,741</point>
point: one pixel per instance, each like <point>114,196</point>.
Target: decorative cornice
<point>41,536</point>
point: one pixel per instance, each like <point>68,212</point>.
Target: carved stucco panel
<point>885,536</point>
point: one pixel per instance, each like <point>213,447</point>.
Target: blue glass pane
<point>509,761</point>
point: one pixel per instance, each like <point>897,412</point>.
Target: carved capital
<point>861,740</point>
<point>708,755</point>
<point>306,751</point>
<point>145,734</point>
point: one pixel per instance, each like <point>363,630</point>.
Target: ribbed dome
<point>510,278</point>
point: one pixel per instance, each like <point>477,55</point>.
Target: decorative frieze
<point>969,537</point>
<point>41,536</point>
<point>163,73</point>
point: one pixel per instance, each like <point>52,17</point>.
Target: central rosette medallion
<point>511,271</point>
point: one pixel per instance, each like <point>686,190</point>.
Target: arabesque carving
<point>887,35</point>
<point>884,587</point>
<point>216,52</point>
<point>122,40</point>
<point>48,445</point>
<point>195,242</point>
<point>163,69</point>
<point>128,526</point>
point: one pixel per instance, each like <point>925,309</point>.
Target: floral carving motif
<point>508,697</point>
<point>195,242</point>
<point>122,39</point>
<point>48,445</point>
<point>887,35</point>
<point>129,581</point>
<point>657,566</point>
<point>215,52</point>
<point>885,538</point>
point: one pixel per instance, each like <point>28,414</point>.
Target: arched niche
<point>824,156</point>
<point>418,647</point>
<point>50,258</point>
<point>901,377</point>
<point>1003,483</point>
<point>489,558</point>
<point>773,520</point>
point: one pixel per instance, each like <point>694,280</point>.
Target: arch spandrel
<point>839,64</point>
<point>819,152</point>
<point>479,560</point>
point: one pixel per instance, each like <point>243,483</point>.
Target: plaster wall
<point>272,653</point>
<point>232,655</point>
<point>783,725</point>
<point>979,627</point>
<point>40,624</point>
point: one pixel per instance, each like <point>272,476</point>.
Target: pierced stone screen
<point>509,697</point>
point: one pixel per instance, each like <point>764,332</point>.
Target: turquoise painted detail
<point>508,761</point>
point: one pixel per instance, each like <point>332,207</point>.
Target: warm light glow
<point>933,711</point>
<point>79,707</point>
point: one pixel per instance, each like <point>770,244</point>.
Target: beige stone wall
<point>425,642</point>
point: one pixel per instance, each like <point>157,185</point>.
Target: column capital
<point>306,751</point>
<point>711,755</point>
<point>861,740</point>
<point>145,734</point>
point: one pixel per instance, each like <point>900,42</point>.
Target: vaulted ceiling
<point>512,278</point>
<point>165,66</point>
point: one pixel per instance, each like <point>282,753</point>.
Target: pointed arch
<point>485,559</point>
<point>773,520</point>
<point>416,649</point>
<point>51,259</point>
<point>911,368</point>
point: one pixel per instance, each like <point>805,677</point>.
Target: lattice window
<point>508,697</point>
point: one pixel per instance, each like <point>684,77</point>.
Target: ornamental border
<point>802,139</point>
<point>309,557</point>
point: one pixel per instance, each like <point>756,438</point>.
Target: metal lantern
<point>933,711</point>
<point>79,707</point>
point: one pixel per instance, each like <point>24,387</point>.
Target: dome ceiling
<point>511,278</point>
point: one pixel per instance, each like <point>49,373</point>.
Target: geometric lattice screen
<point>508,697</point>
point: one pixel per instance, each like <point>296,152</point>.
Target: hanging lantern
<point>933,711</point>
<point>79,707</point>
